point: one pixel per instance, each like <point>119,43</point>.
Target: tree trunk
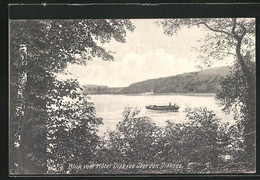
<point>32,150</point>
<point>250,119</point>
<point>23,149</point>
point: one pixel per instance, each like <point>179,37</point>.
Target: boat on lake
<point>163,108</point>
<point>148,93</point>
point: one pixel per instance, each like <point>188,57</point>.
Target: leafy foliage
<point>230,38</point>
<point>39,49</point>
<point>200,144</point>
<point>140,137</point>
<point>71,134</point>
<point>221,40</point>
<point>234,96</point>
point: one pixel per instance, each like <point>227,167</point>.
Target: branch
<point>233,29</point>
<point>215,30</point>
<point>234,26</point>
<point>244,31</point>
<point>236,36</point>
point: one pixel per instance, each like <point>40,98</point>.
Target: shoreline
<point>160,94</point>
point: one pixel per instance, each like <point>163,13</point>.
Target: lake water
<point>111,107</point>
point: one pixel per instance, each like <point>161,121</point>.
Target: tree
<point>136,140</point>
<point>233,96</point>
<point>203,139</point>
<point>228,37</point>
<point>72,131</point>
<point>39,49</point>
<point>203,142</point>
<point>200,144</point>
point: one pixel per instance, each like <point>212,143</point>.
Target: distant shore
<point>159,94</point>
<point>188,94</point>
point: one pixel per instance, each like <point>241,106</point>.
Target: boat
<point>163,108</point>
<point>148,93</point>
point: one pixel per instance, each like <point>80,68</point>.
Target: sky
<point>147,54</point>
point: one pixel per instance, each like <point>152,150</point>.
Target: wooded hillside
<point>205,81</point>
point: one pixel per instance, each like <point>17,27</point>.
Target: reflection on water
<point>111,107</point>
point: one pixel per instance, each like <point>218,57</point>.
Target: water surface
<point>111,107</point>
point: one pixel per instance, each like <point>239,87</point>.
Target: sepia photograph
<point>132,96</point>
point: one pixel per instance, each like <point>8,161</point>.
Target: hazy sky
<point>147,54</point>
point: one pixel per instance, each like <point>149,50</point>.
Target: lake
<point>110,107</point>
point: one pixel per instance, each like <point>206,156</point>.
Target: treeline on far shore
<point>205,81</point>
